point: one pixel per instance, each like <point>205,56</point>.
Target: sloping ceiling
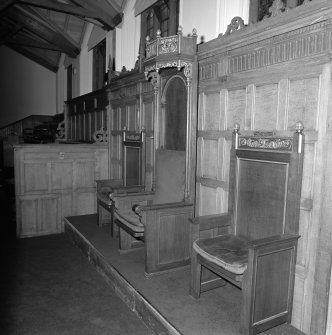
<point>43,29</point>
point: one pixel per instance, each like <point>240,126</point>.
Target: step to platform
<point>163,301</point>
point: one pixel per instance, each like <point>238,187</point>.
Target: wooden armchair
<point>131,183</point>
<point>159,222</point>
<point>162,222</point>
<point>256,250</point>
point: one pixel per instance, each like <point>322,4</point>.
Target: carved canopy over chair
<point>256,250</point>
<point>163,202</point>
<point>159,218</point>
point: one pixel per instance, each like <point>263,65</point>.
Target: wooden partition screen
<point>86,115</point>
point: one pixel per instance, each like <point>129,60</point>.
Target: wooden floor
<point>162,301</point>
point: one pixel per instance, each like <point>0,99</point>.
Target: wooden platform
<point>162,301</point>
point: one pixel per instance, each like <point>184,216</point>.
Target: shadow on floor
<point>48,287</point>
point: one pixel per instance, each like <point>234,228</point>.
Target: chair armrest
<point>130,191</point>
<point>104,199</point>
<point>109,183</point>
<point>155,207</point>
<point>272,240</point>
<point>211,221</point>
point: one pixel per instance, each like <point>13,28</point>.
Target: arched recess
<point>173,127</point>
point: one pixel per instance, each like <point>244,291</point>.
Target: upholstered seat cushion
<point>227,251</point>
<point>130,219</point>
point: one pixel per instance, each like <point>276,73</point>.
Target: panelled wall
<point>131,105</point>
<point>86,115</point>
<point>53,181</point>
<point>267,77</point>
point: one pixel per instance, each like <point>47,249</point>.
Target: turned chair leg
<point>195,281</point>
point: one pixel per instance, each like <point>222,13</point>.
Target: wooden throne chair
<point>133,151</point>
<point>156,220</point>
<point>255,247</point>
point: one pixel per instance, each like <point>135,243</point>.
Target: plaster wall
<point>128,38</point>
<point>26,88</point>
<point>212,18</point>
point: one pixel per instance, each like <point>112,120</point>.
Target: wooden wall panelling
<point>266,78</point>
<point>147,120</point>
<point>319,263</point>
<point>53,181</point>
<point>85,115</point>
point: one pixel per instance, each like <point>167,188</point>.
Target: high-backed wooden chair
<point>133,152</point>
<point>257,248</point>
<point>157,220</point>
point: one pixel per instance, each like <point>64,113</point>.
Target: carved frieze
<point>280,144</point>
<point>168,45</point>
<point>124,92</point>
<point>213,70</point>
<point>100,136</point>
<point>304,42</point>
<point>188,67</point>
<point>299,47</point>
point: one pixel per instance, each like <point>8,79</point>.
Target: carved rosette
<point>100,136</point>
<point>280,144</point>
<point>188,69</point>
<point>60,130</point>
<point>155,79</point>
<point>168,45</point>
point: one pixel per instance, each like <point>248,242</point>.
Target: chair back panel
<point>261,198</point>
<point>170,176</point>
<point>265,184</point>
<point>133,162</point>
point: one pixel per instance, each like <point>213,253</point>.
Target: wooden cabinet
<point>53,181</point>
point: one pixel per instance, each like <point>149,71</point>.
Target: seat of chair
<point>104,198</point>
<point>130,220</point>
<point>228,251</point>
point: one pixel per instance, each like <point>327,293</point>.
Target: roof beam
<point>58,7</point>
<point>8,29</point>
<point>27,42</point>
<point>109,15</point>
<point>5,3</point>
<point>40,25</point>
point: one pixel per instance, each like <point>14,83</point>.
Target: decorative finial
<point>158,33</point>
<point>237,23</point>
<point>147,39</point>
<point>299,127</point>
<point>194,32</point>
<point>179,30</point>
<point>236,127</point>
